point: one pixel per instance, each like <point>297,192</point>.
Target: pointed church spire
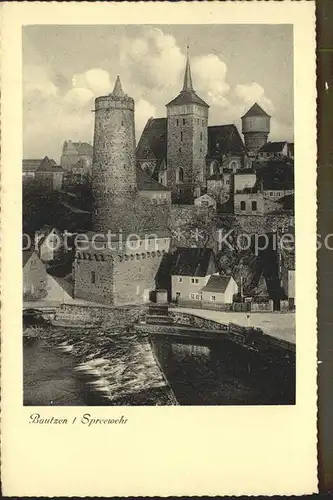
<point>187,76</point>
<point>118,90</point>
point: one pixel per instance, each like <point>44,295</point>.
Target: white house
<point>219,289</point>
<point>205,201</point>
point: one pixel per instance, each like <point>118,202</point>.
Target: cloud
<point>143,111</point>
<point>249,93</point>
<point>209,74</point>
<point>153,60</point>
<point>95,79</point>
<point>151,68</point>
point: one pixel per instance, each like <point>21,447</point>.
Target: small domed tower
<point>113,170</point>
<point>255,128</point>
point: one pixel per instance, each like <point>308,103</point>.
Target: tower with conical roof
<point>255,128</point>
<point>187,118</point>
<point>113,170</point>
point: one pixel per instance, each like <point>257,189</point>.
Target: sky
<point>66,67</point>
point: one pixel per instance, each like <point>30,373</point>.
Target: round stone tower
<point>255,128</point>
<point>114,167</point>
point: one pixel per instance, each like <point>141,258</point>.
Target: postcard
<point>159,220</point>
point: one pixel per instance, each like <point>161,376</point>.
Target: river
<point>211,374</point>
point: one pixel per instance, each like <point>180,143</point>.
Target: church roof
<point>187,97</point>
<point>153,142</point>
<point>146,183</point>
<point>224,140</point>
<point>255,110</point>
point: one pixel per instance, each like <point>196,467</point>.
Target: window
<point>180,280</point>
<point>192,280</point>
<point>212,298</point>
<point>180,150</point>
<point>200,150</point>
<point>205,203</point>
<point>181,136</point>
<point>254,205</point>
<point>179,175</point>
<point>33,264</point>
<point>177,122</point>
<point>184,121</point>
<point>192,296</point>
<point>122,123</point>
<point>195,280</point>
<point>177,295</point>
<point>227,182</point>
<point>200,136</point>
<point>242,205</point>
<point>203,123</point>
<point>93,277</point>
<point>197,296</point>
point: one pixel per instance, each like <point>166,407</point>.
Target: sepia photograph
<point>158,220</point>
<point>158,228</point>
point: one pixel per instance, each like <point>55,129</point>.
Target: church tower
<point>187,117</point>
<point>113,170</point>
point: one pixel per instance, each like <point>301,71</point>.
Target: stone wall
<point>187,145</point>
<point>117,316</point>
<point>197,321</point>
<point>134,279</point>
<point>102,289</point>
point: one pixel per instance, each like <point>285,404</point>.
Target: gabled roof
<point>153,141</point>
<point>46,165</point>
<point>187,97</point>
<point>272,147</point>
<point>194,262</point>
<point>224,140</point>
<point>255,110</point>
<point>217,284</point>
<point>31,165</point>
<point>147,183</point>
<point>26,254</point>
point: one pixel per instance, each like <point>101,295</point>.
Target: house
<point>190,272</point>
<point>274,190</point>
<point>248,198</point>
<point>48,175</point>
<point>29,168</point>
<point>34,276</point>
<point>219,290</point>
<point>273,150</point>
<point>152,190</point>
<point>73,152</point>
<point>59,289</point>
<point>78,175</point>
<point>205,201</point>
<point>49,243</point>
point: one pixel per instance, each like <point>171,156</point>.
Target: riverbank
<point>279,325</point>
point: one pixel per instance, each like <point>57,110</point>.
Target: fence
<point>234,307</point>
